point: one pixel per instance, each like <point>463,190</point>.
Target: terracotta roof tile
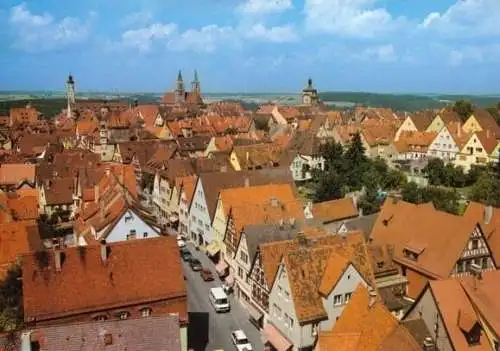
<point>335,210</point>
<point>120,282</point>
<point>59,191</point>
<point>456,309</point>
<point>16,239</point>
<point>265,109</point>
<point>152,333</point>
<point>359,316</point>
<point>258,155</point>
<point>488,140</point>
<point>24,207</point>
<point>486,121</point>
<point>23,115</point>
<point>16,173</point>
<point>440,236</point>
<point>414,141</point>
<point>423,119</point>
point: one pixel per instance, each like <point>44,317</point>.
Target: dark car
<point>186,255</point>
<point>195,265</point>
<point>206,275</point>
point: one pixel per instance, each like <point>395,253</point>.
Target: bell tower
<point>309,94</point>
<point>195,84</point>
<point>179,89</point>
<point>70,95</point>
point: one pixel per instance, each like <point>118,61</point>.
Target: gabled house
<point>313,285</point>
<point>245,256</point>
<point>443,146</point>
<point>407,126</point>
<point>462,312</point>
<point>430,244</point>
<point>365,324</point>
<point>413,145</point>
<point>304,153</point>
<point>261,205</point>
<point>23,116</point>
<point>120,289</point>
<point>56,197</point>
<point>481,120</point>
<point>422,120</point>
<point>443,117</point>
<point>474,152</point>
<point>185,186</point>
<point>204,203</point>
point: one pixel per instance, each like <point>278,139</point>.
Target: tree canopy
<point>11,300</point>
<point>463,108</point>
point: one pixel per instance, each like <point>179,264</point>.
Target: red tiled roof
<point>136,272</point>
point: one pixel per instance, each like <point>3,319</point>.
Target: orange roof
<point>488,140</point>
<point>16,239</point>
<point>260,204</point>
<point>456,311</point>
<point>304,124</point>
<point>23,115</point>
<point>16,173</point>
<point>87,127</point>
<point>414,141</point>
<point>346,132</point>
<point>24,207</point>
<point>120,282</point>
<point>257,155</point>
<point>148,113</point>
<point>486,121</point>
<point>188,183</point>
<point>423,119</point>
<point>377,133</point>
<point>224,143</point>
<point>355,327</point>
<point>335,210</point>
<point>352,246</point>
<point>440,237</point>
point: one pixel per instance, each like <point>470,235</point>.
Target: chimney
<point>372,297</point>
<point>428,344</point>
<point>488,213</point>
<point>459,130</point>
<point>274,202</point>
<point>487,133</point>
<point>247,182</point>
<point>108,171</point>
<point>104,252</point>
<point>57,259</point>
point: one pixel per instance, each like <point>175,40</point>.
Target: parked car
<point>195,265</point>
<point>186,255</point>
<point>206,275</point>
<point>181,243</point>
<point>240,340</point>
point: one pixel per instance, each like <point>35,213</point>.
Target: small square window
<point>337,300</point>
<point>146,312</point>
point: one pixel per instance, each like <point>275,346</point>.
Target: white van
<point>219,300</point>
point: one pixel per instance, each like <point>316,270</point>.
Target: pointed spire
<point>179,76</point>
<point>196,76</point>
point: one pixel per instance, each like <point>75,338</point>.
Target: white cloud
<point>143,38</point>
<point>383,53</point>
<point>265,6</point>
<point>466,18</point>
<point>277,34</point>
<point>137,18</point>
<point>466,55</point>
<point>35,33</point>
<point>205,39</point>
<point>350,18</point>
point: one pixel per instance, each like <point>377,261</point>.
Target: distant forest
<point>406,102</point>
<point>51,107</point>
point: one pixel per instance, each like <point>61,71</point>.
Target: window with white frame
<point>337,300</point>
<point>240,272</point>
<point>347,297</point>
<point>243,257</point>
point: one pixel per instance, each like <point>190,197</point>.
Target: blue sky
<point>450,46</point>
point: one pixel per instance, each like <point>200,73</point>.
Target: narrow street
<point>209,330</point>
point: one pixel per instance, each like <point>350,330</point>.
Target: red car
<point>206,275</point>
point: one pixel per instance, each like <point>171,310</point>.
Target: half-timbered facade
<point>476,252</point>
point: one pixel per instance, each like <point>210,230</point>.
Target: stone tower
<point>195,84</point>
<point>70,96</point>
<point>309,94</point>
<point>180,92</point>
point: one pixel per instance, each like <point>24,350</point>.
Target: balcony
<point>482,251</point>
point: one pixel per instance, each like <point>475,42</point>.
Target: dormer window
<point>124,315</point>
<point>146,312</point>
<point>470,327</point>
<point>413,250</point>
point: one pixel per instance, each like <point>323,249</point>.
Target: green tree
<point>486,190</point>
<point>356,163</point>
<point>443,199</point>
<point>463,108</point>
<point>327,186</point>
<point>11,300</point>
<point>434,171</point>
<point>412,193</point>
<point>494,110</point>
<point>394,180</point>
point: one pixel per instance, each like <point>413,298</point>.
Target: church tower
<point>195,84</point>
<point>70,95</point>
<point>310,94</point>
<point>180,92</point>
